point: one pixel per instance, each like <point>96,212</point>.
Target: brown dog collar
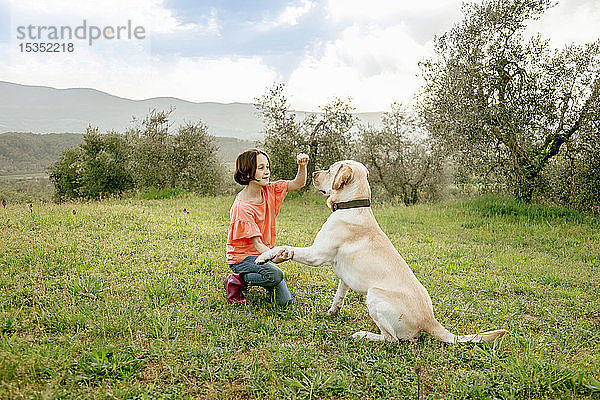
<point>351,204</point>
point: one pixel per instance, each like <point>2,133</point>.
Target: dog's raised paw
<point>263,258</point>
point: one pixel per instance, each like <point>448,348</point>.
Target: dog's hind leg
<point>385,316</point>
<point>373,337</point>
<point>338,299</point>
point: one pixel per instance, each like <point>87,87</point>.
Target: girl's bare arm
<point>300,179</point>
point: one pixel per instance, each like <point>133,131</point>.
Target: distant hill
<point>41,109</point>
<point>29,153</point>
<point>46,110</point>
<point>229,148</point>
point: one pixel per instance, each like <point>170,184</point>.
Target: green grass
<point>125,300</point>
<point>161,194</point>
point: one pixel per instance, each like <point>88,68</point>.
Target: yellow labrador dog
<point>365,260</point>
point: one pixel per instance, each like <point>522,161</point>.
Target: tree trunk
<point>523,188</point>
<point>414,194</point>
<point>532,167</point>
<point>389,189</point>
<point>313,147</point>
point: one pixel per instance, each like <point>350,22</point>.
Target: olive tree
<point>96,167</point>
<point>65,174</point>
<point>283,134</point>
<point>325,136</point>
<point>400,157</point>
<point>196,164</point>
<point>504,105</point>
<point>152,159</point>
<point>572,177</point>
<point>147,156</point>
<point>104,161</point>
<point>184,158</point>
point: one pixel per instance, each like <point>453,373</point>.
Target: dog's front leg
<point>323,250</point>
<point>338,299</point>
<point>313,255</point>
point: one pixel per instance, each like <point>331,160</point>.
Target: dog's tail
<point>443,334</point>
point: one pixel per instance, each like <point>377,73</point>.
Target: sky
<point>233,50</point>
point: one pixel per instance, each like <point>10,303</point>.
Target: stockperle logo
<point>66,34</point>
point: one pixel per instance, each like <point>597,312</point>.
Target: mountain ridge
<point>44,109</point>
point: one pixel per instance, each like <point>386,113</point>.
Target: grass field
<point>124,299</point>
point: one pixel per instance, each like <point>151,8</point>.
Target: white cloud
<point>151,14</point>
<point>289,16</point>
<point>570,21</point>
<point>127,68</point>
<point>132,72</point>
<point>373,59</point>
<point>375,66</point>
<point>221,80</point>
<point>212,24</point>
<point>387,11</point>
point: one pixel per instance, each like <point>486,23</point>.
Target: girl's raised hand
<point>302,159</point>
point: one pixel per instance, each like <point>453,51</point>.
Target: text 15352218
<point>37,47</point>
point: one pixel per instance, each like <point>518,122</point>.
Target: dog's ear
<point>342,176</point>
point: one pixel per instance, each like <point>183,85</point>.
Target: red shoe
<point>234,284</point>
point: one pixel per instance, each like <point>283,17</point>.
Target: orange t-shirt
<point>249,220</point>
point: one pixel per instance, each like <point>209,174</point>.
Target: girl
<point>252,227</point>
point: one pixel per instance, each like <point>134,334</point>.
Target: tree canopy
<point>325,136</point>
<point>400,156</point>
<point>503,105</point>
<point>147,156</point>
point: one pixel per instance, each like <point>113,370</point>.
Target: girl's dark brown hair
<point>245,166</point>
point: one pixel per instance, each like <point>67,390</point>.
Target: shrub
<point>146,157</point>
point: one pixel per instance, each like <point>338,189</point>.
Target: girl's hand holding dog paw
<point>283,255</point>
<point>264,257</point>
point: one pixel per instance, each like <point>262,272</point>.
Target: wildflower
<point>4,203</point>
<point>74,212</point>
<point>31,208</point>
<point>185,211</point>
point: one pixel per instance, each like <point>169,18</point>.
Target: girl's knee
<point>275,275</point>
